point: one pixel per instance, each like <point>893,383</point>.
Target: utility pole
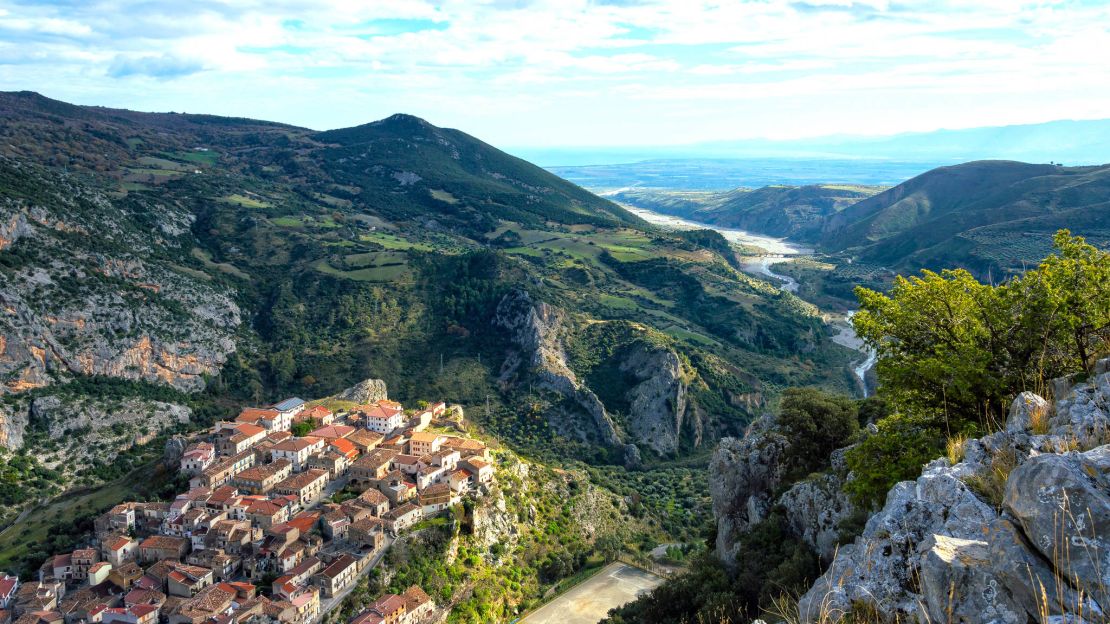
<point>441,363</point>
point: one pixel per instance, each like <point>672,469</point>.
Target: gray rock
<point>957,580</point>
<point>535,328</point>
<point>936,552</point>
<point>1027,576</point>
<point>881,568</point>
<point>743,475</point>
<point>632,458</point>
<point>1062,502</point>
<point>175,449</point>
<point>658,403</point>
<point>1024,410</point>
<point>365,391</point>
<point>814,509</point>
<point>13,423</point>
<point>1084,415</point>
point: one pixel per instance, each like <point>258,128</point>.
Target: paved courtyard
<point>590,601</point>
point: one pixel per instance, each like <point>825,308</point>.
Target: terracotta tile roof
<point>255,414</point>
<point>333,431</point>
<point>302,480</point>
<point>296,444</point>
<point>263,507</point>
<point>339,565</point>
<point>388,604</point>
<point>249,430</point>
<point>376,458</point>
<point>345,447</point>
<point>304,521</point>
<point>162,542</point>
<point>262,472</point>
<point>415,597</point>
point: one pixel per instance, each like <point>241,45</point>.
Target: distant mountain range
<point>1085,142</point>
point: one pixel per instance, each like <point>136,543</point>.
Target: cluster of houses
<point>262,511</point>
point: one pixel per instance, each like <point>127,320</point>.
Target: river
<point>777,251</point>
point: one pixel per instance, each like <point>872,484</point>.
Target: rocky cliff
<point>87,287</point>
<point>658,410</point>
<point>746,480</point>
<point>1018,530</point>
<point>535,328</point>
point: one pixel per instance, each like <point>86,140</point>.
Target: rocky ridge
<point>659,409</point>
<point>116,308</point>
<point>940,550</point>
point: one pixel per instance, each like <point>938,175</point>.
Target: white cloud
<point>575,71</point>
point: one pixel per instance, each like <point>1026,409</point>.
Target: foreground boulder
<point>938,551</point>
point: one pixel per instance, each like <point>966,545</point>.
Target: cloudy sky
<point>575,72</point>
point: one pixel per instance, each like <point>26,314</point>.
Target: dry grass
<point>955,448</point>
<point>991,486</point>
<point>1038,421</point>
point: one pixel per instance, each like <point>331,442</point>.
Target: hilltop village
<point>287,507</point>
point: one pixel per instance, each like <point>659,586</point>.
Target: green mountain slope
<point>385,251</point>
<point>986,215</point>
<point>798,212</point>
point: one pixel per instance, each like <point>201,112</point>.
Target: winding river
<point>777,251</point>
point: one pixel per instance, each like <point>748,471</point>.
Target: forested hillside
<point>161,270</point>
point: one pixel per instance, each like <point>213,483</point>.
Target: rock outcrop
<point>743,475</point>
<point>535,329</point>
<point>657,404</point>
<point>92,430</point>
<point>939,552</point>
<point>814,510</point>
<point>365,391</point>
<point>116,306</point>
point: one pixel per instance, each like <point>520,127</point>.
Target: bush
<point>896,453</point>
<point>816,423</point>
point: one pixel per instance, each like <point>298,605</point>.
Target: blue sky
<point>575,72</point>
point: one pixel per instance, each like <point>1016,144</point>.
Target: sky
<point>575,72</point>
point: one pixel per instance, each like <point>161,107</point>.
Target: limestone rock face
<point>13,422</point>
<point>958,584</point>
<point>743,474</point>
<point>938,552</point>
<point>658,402</point>
<point>535,328</point>
<point>365,391</point>
<point>91,292</point>
<point>1062,502</point>
<point>175,449</point>
<point>98,429</point>
<point>1025,408</point>
<point>814,509</point>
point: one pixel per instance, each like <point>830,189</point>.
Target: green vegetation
<point>815,423</point>
<point>953,353</point>
<point>991,218</point>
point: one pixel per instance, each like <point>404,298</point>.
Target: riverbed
<point>776,251</point>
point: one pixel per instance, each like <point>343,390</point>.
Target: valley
<point>161,271</point>
<point>759,254</point>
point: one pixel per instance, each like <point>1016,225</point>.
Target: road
<point>328,604</point>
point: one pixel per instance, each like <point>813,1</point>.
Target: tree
<point>1076,283</point>
<point>816,423</point>
<point>960,350</point>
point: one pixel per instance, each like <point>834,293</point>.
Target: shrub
<point>816,423</point>
<point>896,453</point>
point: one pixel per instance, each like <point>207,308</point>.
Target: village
<point>288,507</point>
